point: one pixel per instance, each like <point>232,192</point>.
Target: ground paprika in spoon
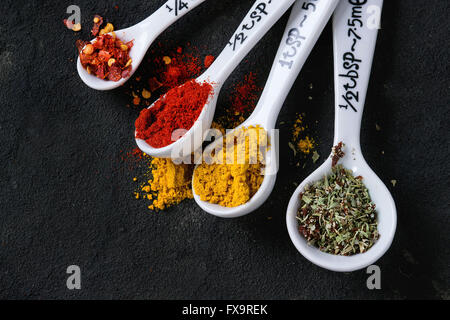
<point>179,108</point>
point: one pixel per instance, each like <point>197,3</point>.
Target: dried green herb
<point>315,157</point>
<point>337,215</point>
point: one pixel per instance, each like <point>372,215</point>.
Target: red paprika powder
<point>245,95</point>
<point>208,61</point>
<point>178,109</point>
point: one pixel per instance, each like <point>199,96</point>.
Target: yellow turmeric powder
<point>170,184</point>
<point>302,142</point>
<point>237,171</point>
<point>306,145</point>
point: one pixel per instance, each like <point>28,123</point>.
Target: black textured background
<point>66,198</point>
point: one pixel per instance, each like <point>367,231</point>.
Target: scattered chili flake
<point>337,153</point>
<point>136,101</point>
<point>76,27</point>
<point>104,58</point>
<point>107,29</point>
<point>98,21</point>
<point>209,61</point>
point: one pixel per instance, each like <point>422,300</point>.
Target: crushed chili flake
<point>107,59</point>
<point>98,21</point>
<point>337,153</point>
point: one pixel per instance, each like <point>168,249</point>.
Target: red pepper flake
<point>337,154</point>
<point>136,101</point>
<point>98,21</point>
<point>209,61</point>
<point>178,109</point>
<point>80,44</point>
<point>105,58</point>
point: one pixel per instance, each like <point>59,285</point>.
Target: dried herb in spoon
<point>337,215</point>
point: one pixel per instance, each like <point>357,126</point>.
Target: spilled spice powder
<point>170,184</point>
<point>301,142</point>
<point>162,183</point>
<point>165,69</point>
<point>208,61</point>
<point>181,68</point>
<point>240,107</point>
<point>306,145</point>
<point>157,185</point>
<point>245,95</point>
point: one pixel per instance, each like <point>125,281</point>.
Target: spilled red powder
<point>208,61</point>
<point>178,109</point>
<point>182,68</point>
<point>245,94</point>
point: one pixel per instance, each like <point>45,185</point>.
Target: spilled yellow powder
<point>237,171</point>
<point>306,145</point>
<point>170,184</point>
<point>301,141</point>
<point>298,127</point>
<point>218,126</point>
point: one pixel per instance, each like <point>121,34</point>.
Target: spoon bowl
<point>142,35</point>
<point>385,206</point>
<point>270,176</point>
<point>191,140</point>
<point>141,42</point>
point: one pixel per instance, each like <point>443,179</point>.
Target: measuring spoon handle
<point>355,29</point>
<point>261,17</point>
<point>307,21</point>
<point>166,15</point>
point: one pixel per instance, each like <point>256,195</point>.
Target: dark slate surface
<point>66,196</point>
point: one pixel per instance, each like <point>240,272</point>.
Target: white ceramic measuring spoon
<point>142,34</point>
<point>354,36</point>
<point>307,20</point>
<point>261,17</point>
